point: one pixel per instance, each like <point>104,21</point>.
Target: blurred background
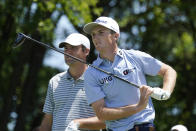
<point>166,29</point>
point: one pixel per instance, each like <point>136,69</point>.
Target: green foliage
<point>186,48</point>
<point>165,29</point>
<point>79,12</point>
<point>23,80</point>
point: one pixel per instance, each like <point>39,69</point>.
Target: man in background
<point>66,107</point>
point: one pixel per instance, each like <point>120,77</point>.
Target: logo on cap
<point>101,21</point>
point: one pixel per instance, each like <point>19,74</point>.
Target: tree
<point>164,28</point>
<point>19,73</point>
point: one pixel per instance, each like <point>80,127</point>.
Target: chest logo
<point>106,79</point>
<point>127,71</point>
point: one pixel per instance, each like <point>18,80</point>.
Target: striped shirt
<point>66,100</point>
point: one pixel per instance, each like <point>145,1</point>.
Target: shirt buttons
<point>120,52</point>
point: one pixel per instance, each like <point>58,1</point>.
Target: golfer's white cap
<point>76,39</point>
<point>179,128</point>
<point>103,21</point>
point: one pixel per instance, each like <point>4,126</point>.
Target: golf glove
<point>160,94</point>
<point>72,126</point>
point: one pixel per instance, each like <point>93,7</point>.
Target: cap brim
<point>90,26</point>
<point>62,44</point>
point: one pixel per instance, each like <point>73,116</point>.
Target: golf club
<point>22,37</point>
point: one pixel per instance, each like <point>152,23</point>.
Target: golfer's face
<point>75,51</point>
<point>102,37</point>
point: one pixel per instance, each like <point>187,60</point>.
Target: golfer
<point>123,106</point>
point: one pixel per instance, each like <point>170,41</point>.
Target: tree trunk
<point>35,63</point>
<point>15,81</point>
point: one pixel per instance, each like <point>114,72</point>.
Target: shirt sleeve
<point>150,65</point>
<point>49,103</point>
<point>92,88</point>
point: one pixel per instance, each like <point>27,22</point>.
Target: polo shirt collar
<point>99,60</point>
<point>120,53</point>
<point>69,77</point>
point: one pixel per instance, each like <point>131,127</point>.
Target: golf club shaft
<point>50,47</point>
<point>75,58</point>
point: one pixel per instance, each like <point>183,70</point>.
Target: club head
<point>19,40</point>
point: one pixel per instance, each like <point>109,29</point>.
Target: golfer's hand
<point>160,94</point>
<point>145,92</point>
<point>73,126</point>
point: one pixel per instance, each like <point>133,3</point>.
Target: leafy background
<point>166,29</point>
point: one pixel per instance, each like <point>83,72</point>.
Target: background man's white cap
<point>76,39</point>
<point>103,21</point>
<point>179,128</point>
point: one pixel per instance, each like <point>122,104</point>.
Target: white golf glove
<point>73,126</point>
<point>160,94</point>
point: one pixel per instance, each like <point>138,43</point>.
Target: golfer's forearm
<point>118,113</point>
<point>43,128</point>
<point>169,79</point>
<point>92,123</point>
<point>46,124</point>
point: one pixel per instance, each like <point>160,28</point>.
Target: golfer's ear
<point>116,35</point>
<point>87,51</point>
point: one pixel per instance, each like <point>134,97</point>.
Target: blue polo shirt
<point>131,65</point>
